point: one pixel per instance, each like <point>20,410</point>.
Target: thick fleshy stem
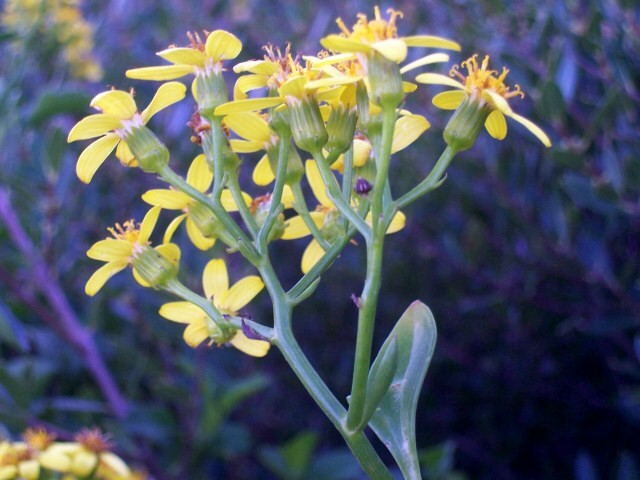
<point>368,301</point>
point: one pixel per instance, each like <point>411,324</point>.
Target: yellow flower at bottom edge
<point>228,301</point>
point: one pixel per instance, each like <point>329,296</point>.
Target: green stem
<point>236,191</point>
<point>431,182</point>
<point>179,290</point>
<point>368,301</point>
<point>300,206</point>
<point>335,195</point>
<point>276,196</point>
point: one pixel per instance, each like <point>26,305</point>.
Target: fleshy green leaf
<point>394,420</point>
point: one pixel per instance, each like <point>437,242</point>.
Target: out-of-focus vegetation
<point>529,259</point>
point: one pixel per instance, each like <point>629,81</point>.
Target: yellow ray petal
<point>341,44</point>
<point>247,83</point>
<point>169,199</point>
<point>115,102</point>
<point>181,312</point>
<point>438,79</point>
<point>244,146</point>
<point>311,255</point>
<point>94,155</point>
<point>170,251</point>
<point>197,238</point>
<point>498,101</point>
<point>330,82</point>
<point>426,60</point>
<point>393,49</point>
<point>431,41</point>
<point>248,105</point>
<point>148,224</point>
<point>222,45</point>
<point>196,333</point>
<point>240,294</point>
<point>287,197</point>
<point>167,94</point>
<point>100,276</point>
<point>295,228</point>
<point>496,125</point>
<point>160,74</point>
<point>408,130</point>
<point>533,128</point>
<point>253,347</point>
<point>110,250</point>
<point>449,100</point>
<point>397,223</point>
<point>229,203</point>
<point>332,60</point>
<point>199,175</point>
<point>125,155</point>
<point>262,173</point>
<point>215,279</point>
<point>260,67</point>
<point>183,56</point>
<point>317,185</point>
<point>93,126</point>
<point>293,87</point>
<point>249,126</point>
<point>173,226</point>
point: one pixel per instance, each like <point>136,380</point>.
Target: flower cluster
<point>39,455</point>
<point>342,108</point>
<point>58,21</point>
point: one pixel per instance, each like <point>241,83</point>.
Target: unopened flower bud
<point>362,186</point>
<point>152,155</point>
<point>295,169</point>
<point>260,210</point>
<point>466,124</point>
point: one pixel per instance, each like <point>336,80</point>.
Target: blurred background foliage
<point>529,258</point>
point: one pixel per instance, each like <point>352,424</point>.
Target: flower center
<point>479,77</point>
<point>366,31</point>
<point>129,232</point>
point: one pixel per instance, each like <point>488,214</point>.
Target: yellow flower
<point>128,244</point>
<point>18,460</point>
<point>119,116</point>
<point>199,176</point>
<point>198,58</point>
<point>88,455</point>
<point>228,301</point>
<point>380,35</point>
<point>486,89</point>
<point>325,217</point>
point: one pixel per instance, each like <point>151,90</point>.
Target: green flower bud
<point>152,155</point>
<point>260,210</point>
<point>466,124</point>
<point>154,268</point>
<point>341,126</point>
<point>332,227</point>
<point>385,81</point>
<point>307,125</point>
<point>211,91</point>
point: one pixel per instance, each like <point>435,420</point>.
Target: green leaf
<point>55,103</point>
<point>394,420</point>
<point>292,460</point>
<point>381,375</point>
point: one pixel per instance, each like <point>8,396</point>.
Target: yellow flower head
<point>486,88</point>
<point>119,114</point>
<point>130,241</point>
<point>38,438</point>
<point>380,35</point>
<point>227,300</point>
<point>199,58</point>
